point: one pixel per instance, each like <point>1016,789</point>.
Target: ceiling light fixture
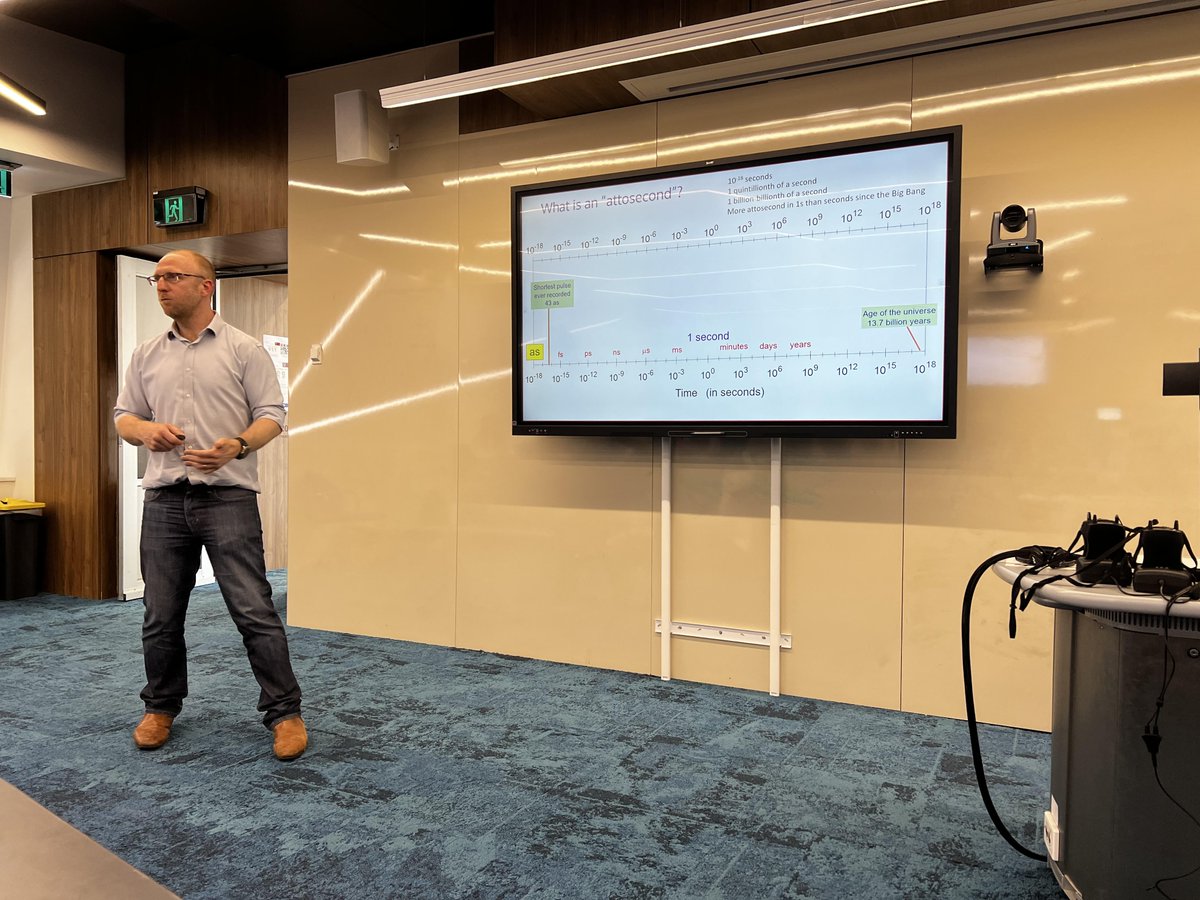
<point>22,97</point>
<point>761,24</point>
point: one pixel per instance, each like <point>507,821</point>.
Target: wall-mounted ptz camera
<point>1014,252</point>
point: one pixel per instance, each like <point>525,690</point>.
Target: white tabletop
<point>1064,595</point>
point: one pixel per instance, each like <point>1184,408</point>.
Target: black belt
<point>177,487</point>
<point>182,487</point>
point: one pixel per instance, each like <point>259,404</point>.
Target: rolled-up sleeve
<point>262,388</point>
<point>132,399</point>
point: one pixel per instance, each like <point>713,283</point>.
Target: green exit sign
<point>5,183</point>
<point>179,206</point>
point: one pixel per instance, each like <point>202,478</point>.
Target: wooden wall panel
<point>490,109</point>
<point>75,445</point>
<point>258,307</point>
<point>528,29</point>
<point>693,12</point>
<point>90,218</point>
<point>102,216</point>
<point>223,127</point>
<point>516,30</point>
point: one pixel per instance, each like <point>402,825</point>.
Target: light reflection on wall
<point>549,172</point>
<point>1047,245</point>
<point>1060,205</point>
<point>398,402</point>
<point>478,270</point>
<point>1007,361</point>
<point>1136,75</point>
<point>640,149</point>
<point>788,130</point>
<point>634,156</point>
<point>408,241</point>
<point>1006,312</point>
<point>338,325</point>
<point>1059,243</point>
<point>1090,324</point>
<point>350,192</point>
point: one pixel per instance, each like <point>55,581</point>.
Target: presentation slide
<point>800,290</point>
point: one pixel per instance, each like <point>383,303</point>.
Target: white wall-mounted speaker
<point>360,124</point>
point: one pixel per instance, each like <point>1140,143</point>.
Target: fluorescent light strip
<point>663,43</point>
<point>26,99</point>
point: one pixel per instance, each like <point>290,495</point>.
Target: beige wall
<point>415,514</point>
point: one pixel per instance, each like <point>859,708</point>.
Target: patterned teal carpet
<point>437,773</point>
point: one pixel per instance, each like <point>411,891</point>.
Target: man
<point>202,398</point>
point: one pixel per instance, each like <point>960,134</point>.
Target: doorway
<point>256,305</point>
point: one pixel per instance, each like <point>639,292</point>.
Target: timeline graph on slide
<point>739,291</point>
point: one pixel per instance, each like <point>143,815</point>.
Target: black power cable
<point>972,722</point>
<point>1151,735</point>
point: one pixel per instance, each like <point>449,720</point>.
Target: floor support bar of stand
<point>776,490</point>
<point>665,557</point>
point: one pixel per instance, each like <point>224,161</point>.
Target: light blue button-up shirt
<point>210,388</point>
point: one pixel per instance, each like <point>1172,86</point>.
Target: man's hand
<point>221,452</point>
<point>160,436</point>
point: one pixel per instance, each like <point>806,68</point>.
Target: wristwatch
<point>245,448</point>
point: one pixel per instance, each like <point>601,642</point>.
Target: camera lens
<point>1013,217</point>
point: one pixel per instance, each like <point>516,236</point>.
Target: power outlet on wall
<point>1051,832</point>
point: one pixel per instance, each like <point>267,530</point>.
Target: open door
<point>139,318</point>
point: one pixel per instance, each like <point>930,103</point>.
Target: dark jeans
<point>176,522</point>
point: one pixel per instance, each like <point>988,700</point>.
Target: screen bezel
<point>945,427</point>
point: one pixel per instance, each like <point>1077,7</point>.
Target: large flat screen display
<point>813,292</point>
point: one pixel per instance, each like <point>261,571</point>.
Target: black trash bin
<point>22,554</point>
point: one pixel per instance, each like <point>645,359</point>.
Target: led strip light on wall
<point>26,99</point>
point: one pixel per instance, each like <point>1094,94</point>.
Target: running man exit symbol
<point>179,206</point>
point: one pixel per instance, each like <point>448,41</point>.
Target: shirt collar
<point>214,328</point>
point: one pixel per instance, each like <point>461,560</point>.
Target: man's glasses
<point>171,277</point>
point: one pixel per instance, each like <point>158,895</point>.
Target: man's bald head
<point>191,261</point>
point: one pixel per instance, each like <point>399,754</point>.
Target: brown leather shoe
<point>291,739</point>
<point>152,732</point>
